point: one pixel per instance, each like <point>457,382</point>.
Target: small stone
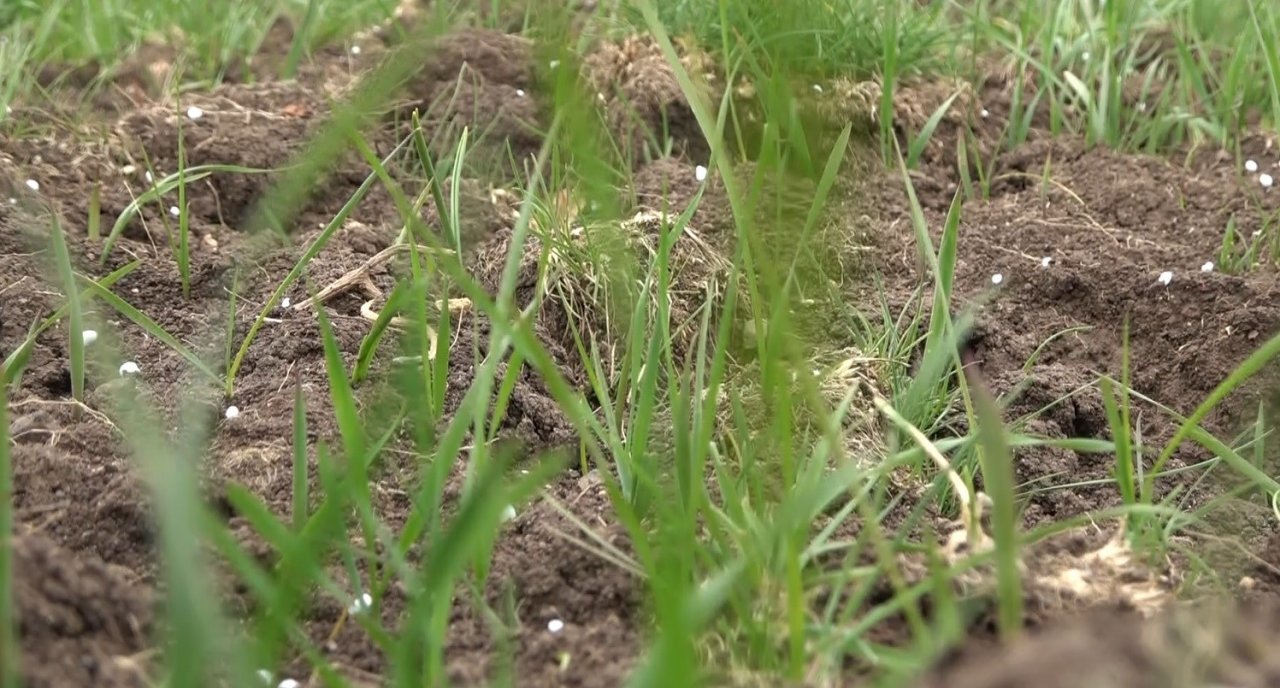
<point>89,337</point>
<point>997,278</point>
<point>519,92</point>
<point>289,683</point>
<point>1044,262</point>
<point>1265,180</point>
<point>700,173</point>
<point>817,88</point>
<point>355,50</point>
<point>985,113</point>
<point>232,412</point>
<point>1207,267</point>
<point>129,368</point>
<point>1165,277</point>
<point>508,513</point>
<point>194,113</point>
<point>175,211</point>
<point>555,625</point>
<point>1250,165</point>
<point>33,185</point>
<point>285,302</point>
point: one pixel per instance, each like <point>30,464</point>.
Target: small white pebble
<point>1142,106</point>
<point>194,113</point>
<point>232,412</point>
<point>1265,180</point>
<point>817,88</point>
<point>33,185</point>
<point>519,92</point>
<point>289,683</point>
<point>1257,232</point>
<point>285,302</point>
<point>1207,267</point>
<point>1165,277</point>
<point>128,170</point>
<point>13,201</point>
<point>1085,55</point>
<point>508,513</point>
<point>265,676</point>
<point>1250,165</point>
<point>175,211</point>
<point>89,336</point>
<point>8,110</point>
<point>147,175</point>
<point>555,625</point>
<point>355,50</point>
<point>985,113</point>
<point>997,278</point>
<point>700,173</point>
<point>553,64</point>
<point>129,368</point>
<point>1044,262</point>
<point>360,604</point>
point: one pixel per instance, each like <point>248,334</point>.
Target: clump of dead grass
<point>1064,573</point>
<point>585,279</point>
<point>642,98</point>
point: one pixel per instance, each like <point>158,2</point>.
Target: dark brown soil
<point>81,622</point>
<point>1108,225</point>
<point>85,558</point>
<point>1199,646</point>
<point>1079,238</point>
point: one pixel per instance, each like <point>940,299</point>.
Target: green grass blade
<point>301,498</point>
<point>94,230</point>
<point>999,481</point>
<point>9,660</point>
<point>157,192</point>
<point>1244,372</point>
<point>300,37</point>
<point>184,217</point>
<point>921,139</point>
<point>313,249</point>
<point>17,359</point>
<point>347,415</point>
<point>369,345</point>
<point>150,327</point>
<point>75,310</point>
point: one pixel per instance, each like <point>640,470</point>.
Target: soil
<point>85,557</point>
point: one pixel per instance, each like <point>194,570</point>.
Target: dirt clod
<point>80,621</point>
